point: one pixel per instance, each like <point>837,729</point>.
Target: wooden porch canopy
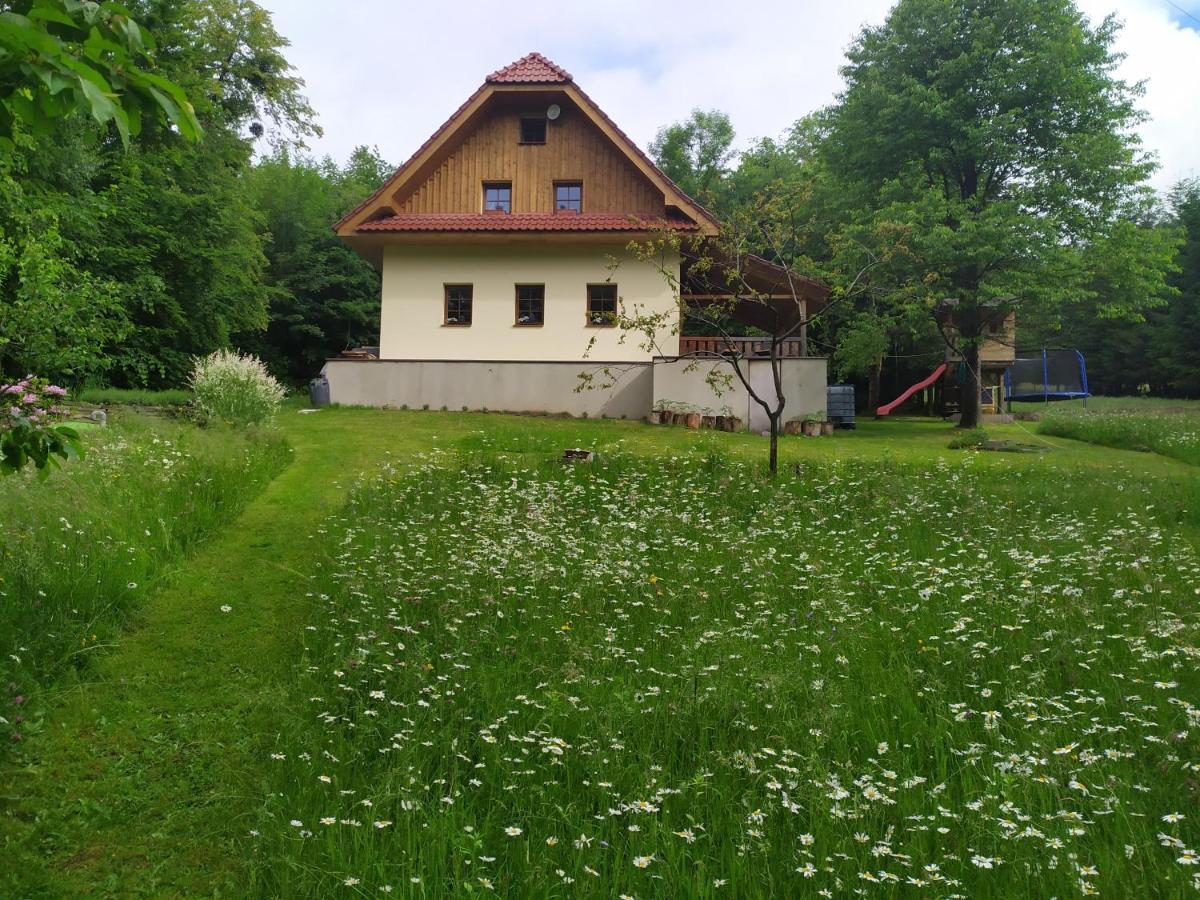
<point>759,293</point>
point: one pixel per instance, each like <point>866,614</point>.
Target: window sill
<point>456,324</point>
<point>529,324</point>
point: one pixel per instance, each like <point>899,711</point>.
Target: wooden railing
<point>744,346</point>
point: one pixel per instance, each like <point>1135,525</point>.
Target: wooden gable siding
<point>575,150</point>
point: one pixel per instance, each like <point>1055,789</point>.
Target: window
<point>458,304</point>
<point>533,131</point>
<point>568,195</point>
<point>602,305</point>
<point>497,196</point>
<point>531,304</point>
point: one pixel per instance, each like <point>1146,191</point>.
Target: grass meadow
<point>429,659</point>
<point>679,679</point>
<point>1167,427</point>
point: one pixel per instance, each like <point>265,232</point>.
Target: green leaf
<point>101,105</point>
<point>48,13</point>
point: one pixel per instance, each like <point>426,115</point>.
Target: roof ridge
<point>531,68</point>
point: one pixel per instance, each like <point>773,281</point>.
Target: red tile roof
<point>531,69</point>
<point>520,222</point>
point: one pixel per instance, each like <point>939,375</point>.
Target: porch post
<point>804,328</point>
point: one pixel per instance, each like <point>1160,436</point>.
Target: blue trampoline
<point>1047,375</point>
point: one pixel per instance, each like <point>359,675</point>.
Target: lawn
<point>432,660</point>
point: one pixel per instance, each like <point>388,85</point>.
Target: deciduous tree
<point>997,134</point>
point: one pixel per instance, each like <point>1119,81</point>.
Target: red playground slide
<point>886,409</point>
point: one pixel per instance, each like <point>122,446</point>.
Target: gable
<point>575,151</point>
<point>478,143</point>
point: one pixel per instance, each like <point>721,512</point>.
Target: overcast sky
<point>387,74</point>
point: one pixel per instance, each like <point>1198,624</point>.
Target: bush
<point>233,388</point>
<point>29,427</point>
<point>973,439</point>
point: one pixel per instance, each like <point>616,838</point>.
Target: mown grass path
<point>138,780</point>
<point>145,776</point>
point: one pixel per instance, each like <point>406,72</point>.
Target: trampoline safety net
<point>1047,375</point>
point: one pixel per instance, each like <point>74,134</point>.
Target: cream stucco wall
<point>413,295</point>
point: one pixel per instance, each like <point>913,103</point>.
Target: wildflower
<point>807,839</point>
<point>512,831</point>
<point>1188,858</point>
<point>351,881</point>
<point>552,841</point>
<point>643,862</point>
<point>225,607</point>
<point>687,834</point>
<point>1172,818</point>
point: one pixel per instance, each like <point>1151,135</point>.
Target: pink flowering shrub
<point>31,429</point>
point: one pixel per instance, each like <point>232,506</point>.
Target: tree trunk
<point>968,392</point>
<point>873,386</point>
<point>774,463</point>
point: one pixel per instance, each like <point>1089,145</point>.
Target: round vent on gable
<point>553,111</point>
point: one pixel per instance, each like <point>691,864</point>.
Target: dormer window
<point>533,130</point>
<point>497,196</point>
<point>568,196</point>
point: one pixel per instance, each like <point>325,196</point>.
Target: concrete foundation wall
<point>804,383</point>
<point>549,387</point>
<point>544,387</point>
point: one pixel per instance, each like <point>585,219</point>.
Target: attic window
<point>533,130</point>
<point>497,196</point>
<point>568,196</point>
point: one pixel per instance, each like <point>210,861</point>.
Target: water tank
<point>318,392</point>
<point>839,405</point>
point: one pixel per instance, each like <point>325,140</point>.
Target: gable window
<point>458,304</point>
<point>531,304</point>
<point>602,305</point>
<point>497,196</point>
<point>533,130</point>
<point>568,196</point>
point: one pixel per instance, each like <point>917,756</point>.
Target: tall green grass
<point>80,551</point>
<point>679,678</point>
<point>102,396</point>
<point>1169,405</point>
<point>1175,435</point>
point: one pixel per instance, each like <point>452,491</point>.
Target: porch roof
<point>760,293</point>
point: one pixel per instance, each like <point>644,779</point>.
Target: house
<point>503,244</point>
